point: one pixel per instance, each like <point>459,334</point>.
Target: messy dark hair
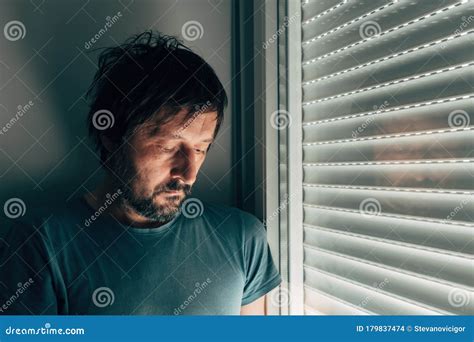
<point>150,76</point>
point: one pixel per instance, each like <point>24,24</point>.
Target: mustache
<point>173,186</point>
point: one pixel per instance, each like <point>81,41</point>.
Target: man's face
<point>160,166</point>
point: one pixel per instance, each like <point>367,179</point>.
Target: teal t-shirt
<point>211,264</point>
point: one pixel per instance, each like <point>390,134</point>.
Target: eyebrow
<point>177,136</point>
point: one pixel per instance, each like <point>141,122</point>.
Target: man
<point>136,245</point>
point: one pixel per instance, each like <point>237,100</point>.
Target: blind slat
<point>396,202</point>
<point>314,8</point>
<point>309,19</point>
<point>423,117</point>
<point>310,36</point>
<point>449,144</point>
<point>318,303</point>
<point>449,175</point>
<point>466,100</point>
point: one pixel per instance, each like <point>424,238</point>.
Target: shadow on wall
<point>46,66</point>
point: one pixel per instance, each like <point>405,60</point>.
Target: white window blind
<point>388,156</point>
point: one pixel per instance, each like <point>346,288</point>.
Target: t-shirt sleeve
<point>26,272</point>
<point>261,273</point>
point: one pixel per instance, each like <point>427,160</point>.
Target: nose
<point>185,166</point>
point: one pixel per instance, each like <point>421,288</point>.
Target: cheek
<point>148,157</point>
<point>200,162</point>
<point>151,167</point>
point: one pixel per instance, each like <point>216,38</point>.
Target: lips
<point>168,193</point>
<point>173,192</point>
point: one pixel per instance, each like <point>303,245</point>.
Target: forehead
<point>183,123</point>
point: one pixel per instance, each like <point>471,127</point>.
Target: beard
<point>126,178</point>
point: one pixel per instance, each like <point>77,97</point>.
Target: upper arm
<point>261,274</point>
<point>257,307</point>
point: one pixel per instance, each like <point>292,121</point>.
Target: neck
<point>118,209</point>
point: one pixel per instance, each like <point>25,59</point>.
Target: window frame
<point>281,91</point>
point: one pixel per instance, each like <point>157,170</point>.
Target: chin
<point>168,199</point>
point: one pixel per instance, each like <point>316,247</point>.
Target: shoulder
<point>233,223</point>
<point>227,214</point>
<point>46,222</point>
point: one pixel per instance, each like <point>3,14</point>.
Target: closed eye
<point>167,149</point>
